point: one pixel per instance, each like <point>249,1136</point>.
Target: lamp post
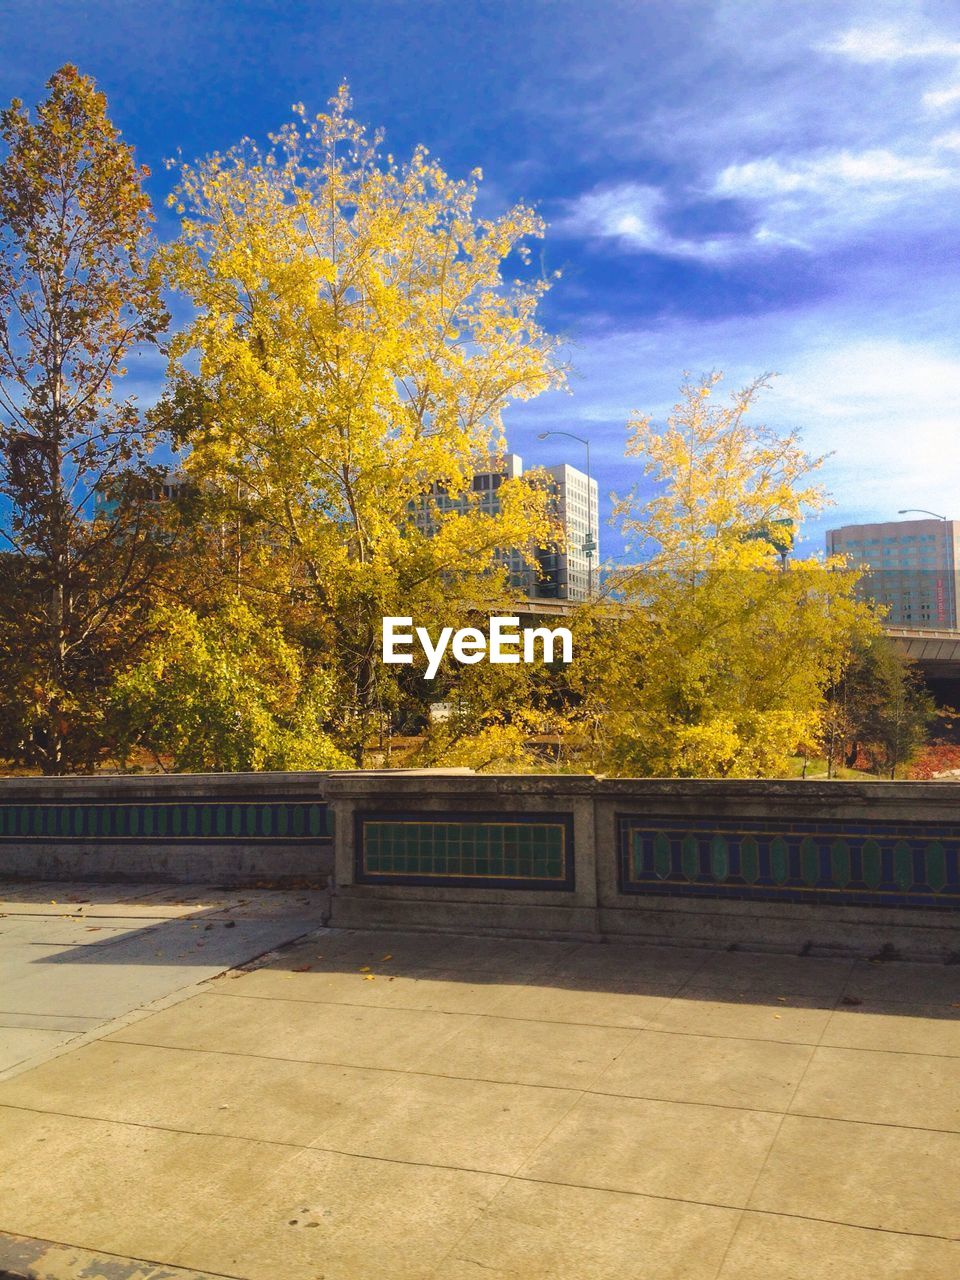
<point>589,546</point>
<point>921,511</point>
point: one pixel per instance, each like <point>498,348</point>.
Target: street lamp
<point>589,546</point>
<point>906,511</point>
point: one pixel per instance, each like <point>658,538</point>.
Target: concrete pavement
<point>369,1105</point>
<point>74,957</point>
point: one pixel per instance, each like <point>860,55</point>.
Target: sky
<point>745,186</point>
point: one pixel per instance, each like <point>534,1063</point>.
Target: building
<point>569,573</point>
<point>911,567</point>
<point>573,571</point>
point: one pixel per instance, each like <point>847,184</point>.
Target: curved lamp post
<point>589,546</point>
<point>922,511</point>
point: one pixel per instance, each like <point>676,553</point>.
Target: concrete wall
<point>824,867</point>
<point>225,829</point>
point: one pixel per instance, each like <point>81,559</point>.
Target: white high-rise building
<point>573,571</point>
<point>565,573</point>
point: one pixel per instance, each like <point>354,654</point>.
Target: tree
<point>353,348</point>
<point>715,656</point>
<point>77,297</point>
<point>224,692</point>
<point>880,710</point>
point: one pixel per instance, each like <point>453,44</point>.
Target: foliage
<point>77,297</point>
<point>503,718</point>
<point>937,758</point>
<point>879,711</point>
<point>353,348</point>
<point>714,656</point>
<point>224,692</point>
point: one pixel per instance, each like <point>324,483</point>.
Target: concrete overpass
<point>937,652</point>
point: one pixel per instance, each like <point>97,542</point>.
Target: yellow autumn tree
<point>354,344</point>
<point>714,654</point>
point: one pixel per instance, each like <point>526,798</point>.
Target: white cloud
<point>895,44</point>
<point>632,213</point>
<point>886,410</point>
<point>875,168</point>
<point>942,99</point>
<point>890,44</point>
<point>828,198</point>
<point>802,203</point>
<point>882,407</point>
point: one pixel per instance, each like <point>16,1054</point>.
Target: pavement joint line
<point>554,1182</point>
<point>519,1084</point>
<point>775,1136</point>
<point>525,1162</point>
<point>617,1026</point>
<point>108,1253</point>
<point>132,1016</point>
<point>587,1091</point>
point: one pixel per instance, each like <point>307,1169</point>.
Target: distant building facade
<point>572,571</point>
<point>911,566</point>
<point>567,573</point>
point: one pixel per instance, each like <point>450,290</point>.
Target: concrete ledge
<point>38,840</point>
<point>913,933</point>
<point>513,918</point>
<point>182,863</point>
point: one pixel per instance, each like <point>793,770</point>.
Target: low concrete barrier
<point>796,865</point>
<point>225,829</point>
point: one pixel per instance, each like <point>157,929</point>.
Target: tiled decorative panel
<point>146,821</point>
<point>868,863</point>
<point>512,851</point>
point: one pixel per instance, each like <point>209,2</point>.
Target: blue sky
<point>745,186</point>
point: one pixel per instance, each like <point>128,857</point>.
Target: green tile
<point>936,863</point>
<point>809,861</point>
<point>661,854</point>
<point>840,864</point>
<point>872,863</point>
<point>750,860</point>
<point>719,858</point>
<point>903,866</point>
<point>779,860</point>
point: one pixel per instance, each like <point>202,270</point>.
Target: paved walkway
<point>408,1107</point>
<point>74,957</point>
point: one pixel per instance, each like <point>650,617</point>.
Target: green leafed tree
<point>880,711</point>
<point>223,692</point>
<point>78,299</point>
